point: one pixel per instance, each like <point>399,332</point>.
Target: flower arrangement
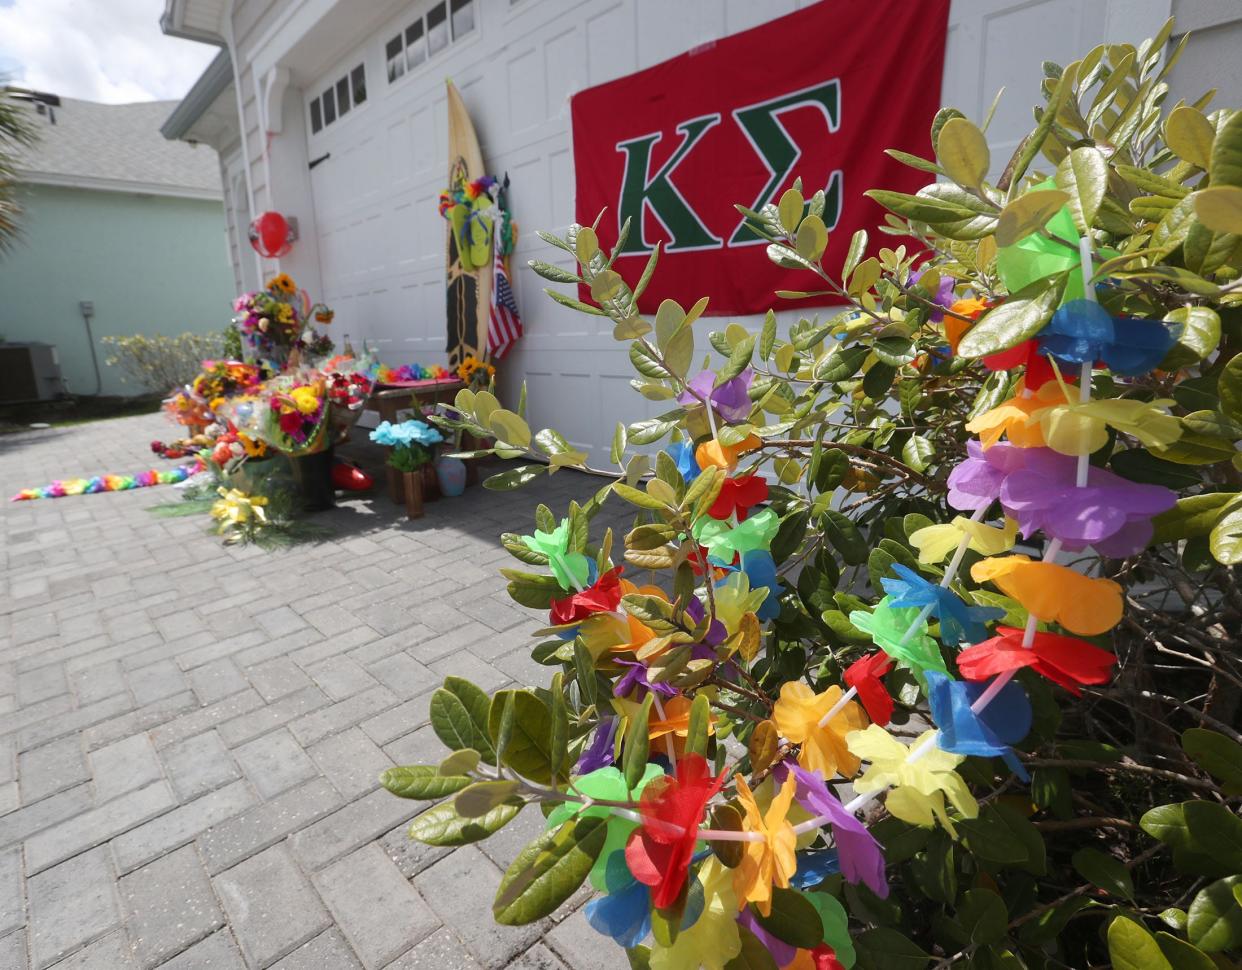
<point>275,320</point>
<point>827,545</point>
<point>476,374</point>
<point>411,442</point>
<point>219,379</point>
<point>186,408</point>
<point>348,389</point>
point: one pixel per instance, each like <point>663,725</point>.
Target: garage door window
<point>445,23</point>
<point>337,99</point>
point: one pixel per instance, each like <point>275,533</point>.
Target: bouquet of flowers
<point>276,320</point>
<point>410,441</point>
<point>476,374</point>
<point>348,389</point>
<point>221,379</point>
<point>185,407</point>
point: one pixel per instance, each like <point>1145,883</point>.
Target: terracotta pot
<point>412,486</point>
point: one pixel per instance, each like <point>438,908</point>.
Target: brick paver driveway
<point>190,735</point>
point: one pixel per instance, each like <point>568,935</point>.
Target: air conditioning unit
<point>29,372</point>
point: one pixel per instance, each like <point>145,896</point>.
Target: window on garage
<point>348,92</point>
<point>445,23</point>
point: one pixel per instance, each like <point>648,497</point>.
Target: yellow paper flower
<point>771,862</point>
<point>797,714</point>
<point>735,598</point>
<point>284,313</point>
<point>1013,418</point>
<point>936,543</point>
<point>919,787</point>
<point>1074,428</point>
<point>713,940</point>
<point>1082,604</point>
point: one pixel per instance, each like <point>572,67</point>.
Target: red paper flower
<point>603,597</point>
<point>1038,368</point>
<point>659,852</point>
<point>1063,660</point>
<point>864,676</point>
<point>739,495</point>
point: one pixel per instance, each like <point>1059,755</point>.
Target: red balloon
<point>271,235</point>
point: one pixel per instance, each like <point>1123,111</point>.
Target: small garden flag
<point>506,324</point>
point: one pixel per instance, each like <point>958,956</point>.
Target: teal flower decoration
<point>571,569</point>
<point>725,541</point>
<point>889,629</point>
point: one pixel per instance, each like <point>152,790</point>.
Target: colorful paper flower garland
<point>110,483</point>
<point>654,857</point>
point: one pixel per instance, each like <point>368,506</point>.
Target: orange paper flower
<point>771,862</point>
<point>724,456</point>
<point>1054,593</point>
<point>797,714</point>
<point>1013,418</point>
<point>955,329</point>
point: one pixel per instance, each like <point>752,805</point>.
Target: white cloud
<point>98,50</point>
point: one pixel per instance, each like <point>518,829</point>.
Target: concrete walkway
<point>190,734</point>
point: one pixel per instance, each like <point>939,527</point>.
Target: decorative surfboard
<point>469,286</point>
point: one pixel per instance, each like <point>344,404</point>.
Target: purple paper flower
<point>716,633</point>
<point>861,858</point>
<point>943,299</point>
<point>731,399</point>
<point>635,679</point>
<point>782,952</point>
<point>599,753</point>
<point>1110,513</point>
<point>976,482</point>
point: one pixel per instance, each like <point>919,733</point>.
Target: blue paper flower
<point>989,734</point>
<point>814,866</point>
<point>959,623</point>
<point>760,569</point>
<point>682,453</point>
<point>625,913</point>
<point>1082,331</point>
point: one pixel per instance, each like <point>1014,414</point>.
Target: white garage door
<point>517,63</point>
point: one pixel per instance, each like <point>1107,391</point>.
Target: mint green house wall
<point>151,264</point>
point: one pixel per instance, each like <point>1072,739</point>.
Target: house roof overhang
<point>208,112</point>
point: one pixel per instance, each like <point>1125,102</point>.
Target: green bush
<point>1107,830</point>
<point>159,362</point>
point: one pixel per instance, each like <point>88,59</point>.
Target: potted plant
<point>410,462</point>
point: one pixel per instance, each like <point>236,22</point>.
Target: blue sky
<point>97,50</point>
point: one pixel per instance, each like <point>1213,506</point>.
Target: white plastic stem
<point>573,580</point>
<point>668,738</point>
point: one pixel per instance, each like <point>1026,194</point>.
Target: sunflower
<point>282,283</point>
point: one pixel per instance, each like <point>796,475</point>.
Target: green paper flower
<point>571,569</point>
<point>724,541</point>
<point>888,627</point>
<point>606,783</point>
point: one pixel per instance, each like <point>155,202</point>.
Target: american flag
<point>506,324</point>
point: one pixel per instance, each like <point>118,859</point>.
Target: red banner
<point>819,94</point>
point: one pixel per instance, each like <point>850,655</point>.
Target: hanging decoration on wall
<point>272,235</point>
<point>673,147</point>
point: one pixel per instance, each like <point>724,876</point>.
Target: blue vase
<point>451,474</point>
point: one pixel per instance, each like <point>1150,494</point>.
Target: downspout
<point>241,124</point>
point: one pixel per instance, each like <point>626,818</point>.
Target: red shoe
<point>350,478</point>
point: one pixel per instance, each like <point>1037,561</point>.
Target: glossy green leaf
<point>529,751</point>
<point>793,919</point>
<point>444,827</point>
<point>548,871</point>
<point>1017,319</point>
<point>1132,948</point>
<point>1214,919</point>
<point>422,782</point>
<point>1105,871</point>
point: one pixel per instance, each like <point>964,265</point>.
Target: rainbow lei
<point>110,483</point>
